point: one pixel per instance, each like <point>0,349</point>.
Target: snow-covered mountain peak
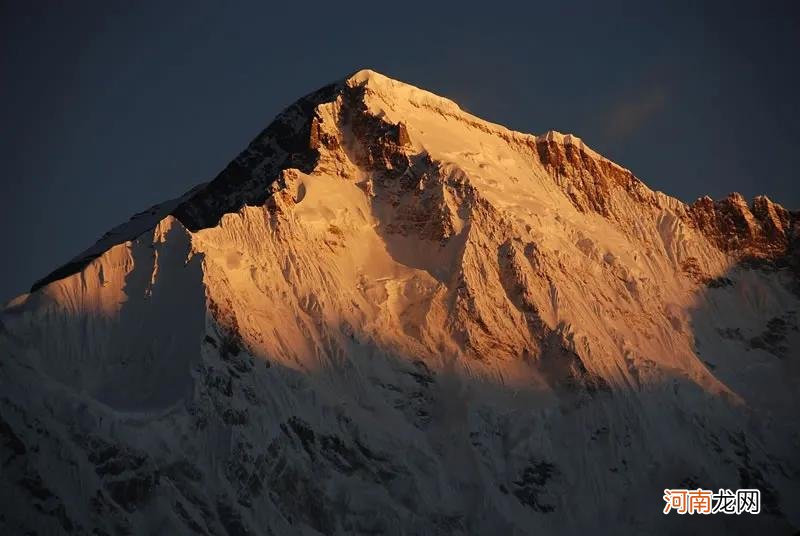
<point>399,92</point>
<point>387,315</point>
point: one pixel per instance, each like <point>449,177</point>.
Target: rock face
<point>761,229</point>
<point>388,316</point>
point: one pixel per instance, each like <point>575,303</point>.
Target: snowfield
<point>388,316</point>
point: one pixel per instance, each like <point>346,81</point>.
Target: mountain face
<point>388,316</point>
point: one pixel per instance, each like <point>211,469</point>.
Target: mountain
<point>388,316</point>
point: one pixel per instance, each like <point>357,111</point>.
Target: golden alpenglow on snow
<point>389,316</point>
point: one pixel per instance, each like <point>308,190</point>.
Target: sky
<point>107,108</point>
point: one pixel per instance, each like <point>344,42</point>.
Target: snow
<point>455,347</point>
<point>138,224</point>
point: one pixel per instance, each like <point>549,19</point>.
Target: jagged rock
<point>761,230</point>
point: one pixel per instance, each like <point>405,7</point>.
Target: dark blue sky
<point>109,107</point>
